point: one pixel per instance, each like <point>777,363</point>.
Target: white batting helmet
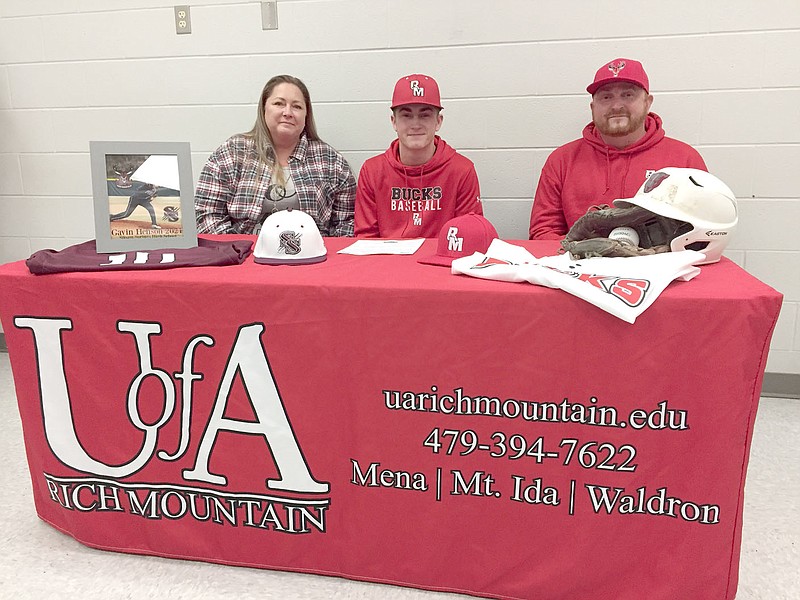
<point>697,198</point>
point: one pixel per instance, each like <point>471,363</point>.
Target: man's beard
<point>618,129</point>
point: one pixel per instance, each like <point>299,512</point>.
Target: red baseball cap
<point>620,69</point>
<point>461,236</point>
<point>416,89</point>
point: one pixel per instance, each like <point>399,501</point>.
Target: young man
<point>420,182</point>
<point>619,150</point>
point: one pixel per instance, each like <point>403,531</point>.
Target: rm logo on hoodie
<point>416,199</point>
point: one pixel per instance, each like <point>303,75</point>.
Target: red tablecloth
<point>383,420</point>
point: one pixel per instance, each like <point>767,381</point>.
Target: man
<point>620,148</point>
<point>420,182</point>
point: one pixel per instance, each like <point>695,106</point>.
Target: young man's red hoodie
<point>394,200</point>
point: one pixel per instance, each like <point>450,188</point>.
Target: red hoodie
<point>394,200</point>
<point>587,172</point>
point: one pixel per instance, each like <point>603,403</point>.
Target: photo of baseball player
<point>142,197</point>
<point>148,207</point>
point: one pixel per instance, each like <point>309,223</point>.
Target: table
<point>383,420</point>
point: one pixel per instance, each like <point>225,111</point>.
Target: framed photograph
<point>143,196</point>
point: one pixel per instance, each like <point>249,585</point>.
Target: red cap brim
<point>439,261</point>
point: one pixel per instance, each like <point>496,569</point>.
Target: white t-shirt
<point>624,287</point>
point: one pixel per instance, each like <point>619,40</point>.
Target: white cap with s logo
<point>289,237</point>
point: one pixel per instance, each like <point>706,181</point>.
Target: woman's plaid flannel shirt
<point>233,184</point>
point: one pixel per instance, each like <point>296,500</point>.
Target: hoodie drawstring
<point>625,174</point>
<point>408,186</point>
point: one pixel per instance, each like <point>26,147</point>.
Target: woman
<point>280,163</point>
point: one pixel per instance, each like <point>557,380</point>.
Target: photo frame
<point>143,196</point>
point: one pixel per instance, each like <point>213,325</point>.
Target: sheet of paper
<point>366,247</point>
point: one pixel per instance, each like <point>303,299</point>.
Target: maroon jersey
<point>84,257</point>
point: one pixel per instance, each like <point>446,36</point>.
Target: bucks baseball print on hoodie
<point>394,200</point>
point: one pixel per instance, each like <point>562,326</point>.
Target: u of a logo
<point>247,360</point>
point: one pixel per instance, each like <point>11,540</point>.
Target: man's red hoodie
<point>587,172</point>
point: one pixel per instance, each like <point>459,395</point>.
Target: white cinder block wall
<point>724,74</point>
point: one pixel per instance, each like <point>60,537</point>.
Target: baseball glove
<point>588,237</point>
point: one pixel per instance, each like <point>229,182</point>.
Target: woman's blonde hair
<point>260,132</point>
